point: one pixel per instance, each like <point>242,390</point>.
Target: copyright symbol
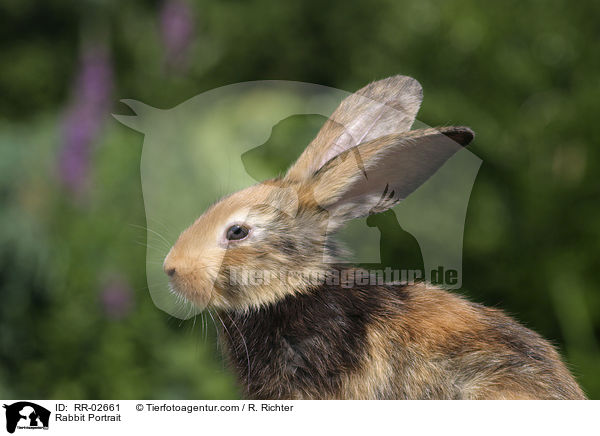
<point>139,407</point>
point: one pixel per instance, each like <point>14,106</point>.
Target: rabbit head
<point>247,250</point>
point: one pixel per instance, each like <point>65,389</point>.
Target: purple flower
<point>85,115</point>
<point>117,298</point>
<point>177,29</point>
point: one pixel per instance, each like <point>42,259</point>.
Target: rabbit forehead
<point>261,201</point>
<point>257,203</point>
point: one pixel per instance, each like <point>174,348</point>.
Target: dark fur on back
<point>392,342</point>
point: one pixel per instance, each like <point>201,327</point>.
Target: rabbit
<point>305,339</point>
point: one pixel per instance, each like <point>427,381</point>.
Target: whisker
<point>217,331</point>
<point>205,326</point>
<point>169,244</point>
<point>145,244</point>
<point>245,347</point>
<point>166,229</point>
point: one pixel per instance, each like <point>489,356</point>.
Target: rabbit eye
<point>236,232</point>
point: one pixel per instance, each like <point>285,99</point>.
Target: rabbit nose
<point>169,264</point>
<point>168,267</point>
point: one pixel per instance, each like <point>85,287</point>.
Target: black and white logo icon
<point>26,415</point>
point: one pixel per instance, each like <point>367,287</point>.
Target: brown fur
<point>472,351</point>
<point>390,342</point>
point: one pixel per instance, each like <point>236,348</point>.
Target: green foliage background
<point>523,74</point>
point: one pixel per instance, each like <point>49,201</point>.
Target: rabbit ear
<point>375,175</point>
<point>381,108</point>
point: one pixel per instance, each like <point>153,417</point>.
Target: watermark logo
<point>229,138</point>
<point>25,415</point>
<point>345,278</point>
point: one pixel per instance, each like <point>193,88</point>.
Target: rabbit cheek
<point>235,283</point>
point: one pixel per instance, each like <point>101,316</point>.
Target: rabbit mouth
<point>197,291</point>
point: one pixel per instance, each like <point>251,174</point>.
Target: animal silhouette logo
<point>226,139</point>
<point>26,415</point>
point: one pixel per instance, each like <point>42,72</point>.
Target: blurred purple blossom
<point>117,298</point>
<point>177,30</point>
<point>85,115</point>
